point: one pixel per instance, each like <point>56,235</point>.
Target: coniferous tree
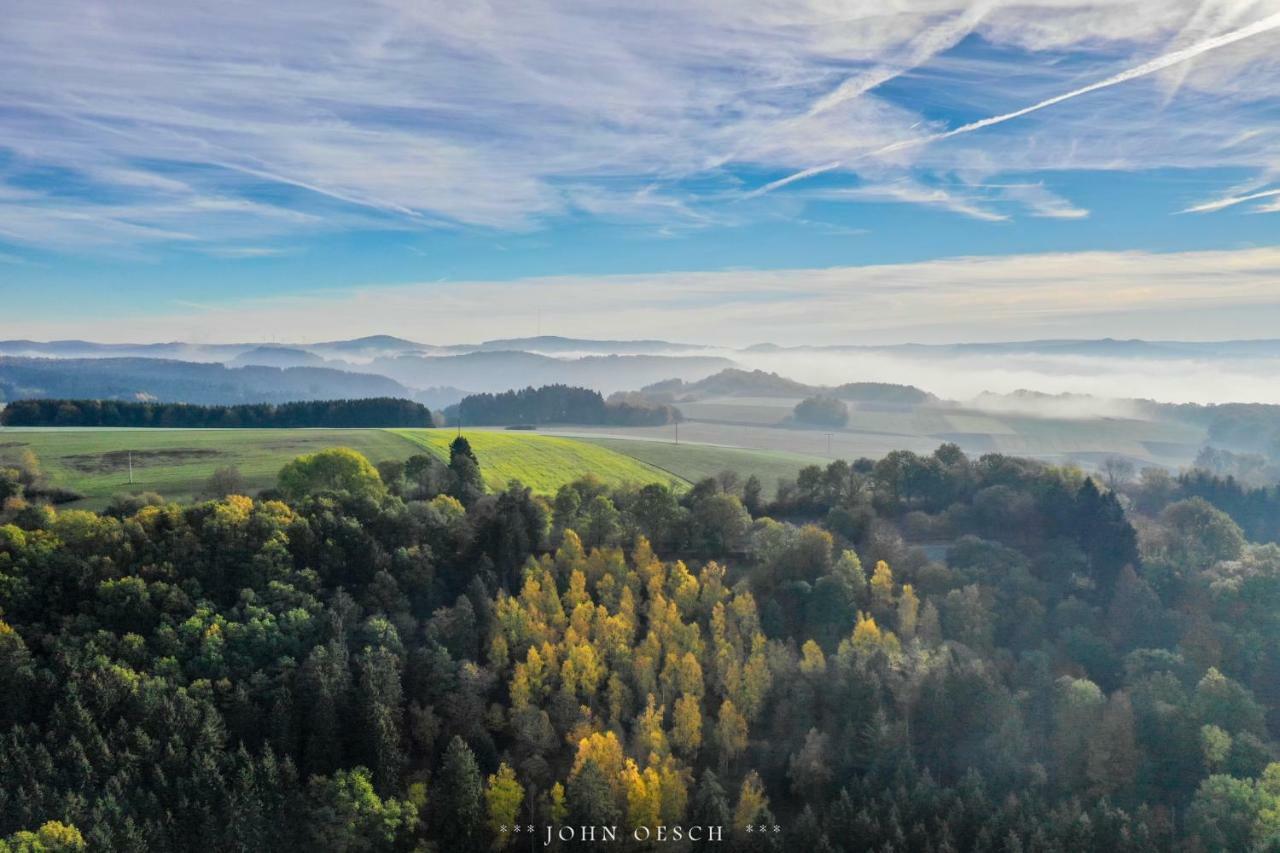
<point>457,807</point>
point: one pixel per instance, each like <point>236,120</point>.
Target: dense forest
<point>921,653</point>
<point>557,404</point>
<point>373,412</point>
<point>733,382</point>
<point>821,411</point>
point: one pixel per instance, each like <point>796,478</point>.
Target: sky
<point>728,171</point>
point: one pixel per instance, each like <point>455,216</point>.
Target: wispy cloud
<point>910,192</point>
<point>243,252</point>
<point>1152,66</point>
<point>987,202</point>
<point>1220,294</point>
<point>1040,202</point>
<point>506,116</point>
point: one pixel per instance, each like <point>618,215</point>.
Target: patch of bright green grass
<point>544,463</point>
<point>694,462</point>
<point>177,462</point>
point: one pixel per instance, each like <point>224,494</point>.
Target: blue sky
<point>732,171</point>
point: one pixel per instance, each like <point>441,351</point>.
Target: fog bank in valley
<point>964,376</point>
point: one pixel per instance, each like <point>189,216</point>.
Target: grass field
<point>176,463</point>
<point>542,462</point>
<point>757,425</point>
<point>693,462</point>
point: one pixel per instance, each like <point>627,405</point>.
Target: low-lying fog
<point>966,376</point>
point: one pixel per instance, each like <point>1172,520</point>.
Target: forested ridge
<point>192,382</point>
<point>389,658</point>
<point>557,404</point>
<point>370,412</point>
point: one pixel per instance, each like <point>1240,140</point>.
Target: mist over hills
<point>500,370</point>
<point>734,382</point>
<point>183,381</point>
<point>441,374</point>
<point>1075,401</point>
<point>271,356</point>
<point>1096,348</point>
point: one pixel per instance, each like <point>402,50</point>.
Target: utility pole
<point>677,426</point>
<point>131,467</point>
<point>828,435</point>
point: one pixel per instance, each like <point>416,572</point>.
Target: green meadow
<point>542,462</point>
<point>176,463</point>
<point>693,462</point>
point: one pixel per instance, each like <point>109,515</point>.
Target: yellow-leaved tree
<point>503,795</point>
<point>686,732</point>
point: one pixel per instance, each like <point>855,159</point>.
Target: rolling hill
<point>542,462</point>
<point>183,381</point>
<point>177,462</point>
<point>272,356</point>
<point>733,382</point>
<point>502,370</point>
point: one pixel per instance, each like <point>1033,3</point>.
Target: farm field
<point>176,463</point>
<point>811,443</point>
<point>542,462</point>
<point>873,431</point>
<point>693,462</point>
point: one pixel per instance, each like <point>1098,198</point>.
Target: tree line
<point>557,404</point>
<point>391,658</point>
<point>360,413</point>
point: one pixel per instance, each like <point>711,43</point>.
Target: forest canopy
<point>396,659</point>
<point>362,413</point>
<point>557,404</point>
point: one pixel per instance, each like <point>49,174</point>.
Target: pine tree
<point>466,482</point>
<point>710,808</point>
<point>458,807</point>
<point>589,798</point>
<point>383,717</point>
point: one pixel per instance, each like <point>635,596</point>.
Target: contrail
<point>1150,67</point>
<point>1221,203</point>
<point>929,44</point>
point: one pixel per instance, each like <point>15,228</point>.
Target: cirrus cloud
<point>131,123</point>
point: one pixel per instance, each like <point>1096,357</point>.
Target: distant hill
<point>389,342</point>
<point>556,344</point>
<point>734,382</point>
<point>503,370</point>
<point>368,348</point>
<point>758,383</point>
<point>90,349</point>
<point>183,381</point>
<point>1096,348</point>
<point>270,356</point>
<point>372,346</point>
<point>882,392</point>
